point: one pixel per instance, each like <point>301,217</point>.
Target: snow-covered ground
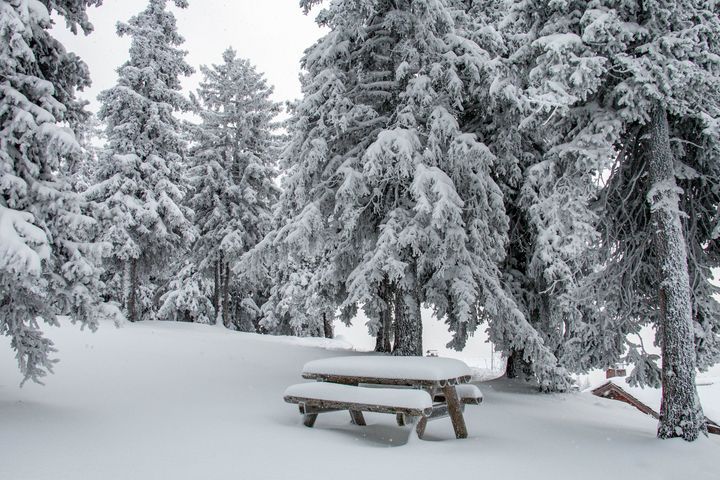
<point>183,401</point>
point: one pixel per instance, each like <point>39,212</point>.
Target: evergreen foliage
<point>387,196</point>
<point>141,186</point>
<point>232,177</point>
<point>599,73</point>
<point>49,265</point>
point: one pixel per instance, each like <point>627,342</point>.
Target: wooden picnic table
<point>437,376</point>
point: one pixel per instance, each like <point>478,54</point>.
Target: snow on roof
<point>415,368</point>
<point>708,390</point>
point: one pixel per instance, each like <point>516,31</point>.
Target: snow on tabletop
<point>412,368</point>
<point>387,397</point>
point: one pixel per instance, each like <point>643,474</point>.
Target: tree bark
<point>216,291</point>
<point>328,326</point>
<point>132,294</point>
<point>226,296</point>
<point>680,411</point>
<point>398,314</point>
<point>517,367</point>
<point>409,325</point>
<point>382,340</point>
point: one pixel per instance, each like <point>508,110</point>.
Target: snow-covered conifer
<point>384,178</point>
<point>232,176</point>
<point>141,184</point>
<point>547,193</point>
<point>637,82</point>
<point>48,264</point>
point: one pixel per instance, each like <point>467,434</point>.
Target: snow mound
<point>183,402</point>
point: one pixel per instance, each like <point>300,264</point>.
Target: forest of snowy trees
<point>546,171</point>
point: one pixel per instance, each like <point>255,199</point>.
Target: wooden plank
<point>308,409</point>
<point>455,411</point>
<point>357,418</point>
<point>465,401</point>
<point>345,380</point>
<point>327,404</point>
<point>407,382</point>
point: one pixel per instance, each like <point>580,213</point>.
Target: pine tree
<point>547,189</point>
<point>141,185</point>
<point>387,181</point>
<point>622,81</point>
<point>233,181</point>
<point>83,167</point>
<point>49,266</point>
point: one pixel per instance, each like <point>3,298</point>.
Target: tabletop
<point>389,370</point>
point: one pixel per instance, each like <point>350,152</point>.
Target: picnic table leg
<point>309,419</point>
<point>357,418</point>
<point>422,423</point>
<point>455,411</point>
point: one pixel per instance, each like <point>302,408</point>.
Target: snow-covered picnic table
<point>435,387</point>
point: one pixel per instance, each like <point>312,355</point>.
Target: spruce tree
<point>547,190</point>
<point>636,82</point>
<point>388,182</point>
<point>232,179</point>
<point>49,265</point>
<point>141,185</point>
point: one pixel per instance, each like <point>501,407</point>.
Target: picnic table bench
<point>415,389</point>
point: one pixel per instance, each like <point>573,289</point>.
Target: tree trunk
<point>226,296</point>
<point>409,324</point>
<point>328,326</point>
<point>382,340</point>
<point>398,314</point>
<point>132,294</point>
<point>680,411</point>
<point>216,291</point>
<point>517,367</point>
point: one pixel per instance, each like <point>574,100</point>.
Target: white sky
<point>272,34</point>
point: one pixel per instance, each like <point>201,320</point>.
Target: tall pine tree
<point>48,264</point>
<point>232,177</point>
<point>638,82</point>
<point>141,185</point>
<point>547,189</point>
<point>386,180</point>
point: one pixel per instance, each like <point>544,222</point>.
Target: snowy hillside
<point>184,401</point>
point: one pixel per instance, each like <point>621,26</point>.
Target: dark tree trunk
<point>226,296</point>
<point>680,411</point>
<point>382,340</point>
<point>132,310</point>
<point>216,291</point>
<point>517,366</point>
<point>398,314</point>
<point>328,326</point>
<point>409,324</point>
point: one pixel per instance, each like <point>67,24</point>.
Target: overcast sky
<point>271,33</point>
